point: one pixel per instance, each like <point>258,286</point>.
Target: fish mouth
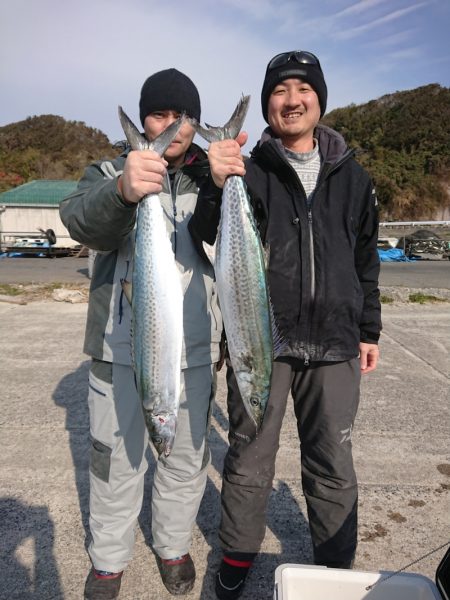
<point>163,445</point>
<point>162,428</point>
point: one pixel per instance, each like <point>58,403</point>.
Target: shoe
<point>102,585</point>
<point>347,564</point>
<point>177,574</point>
<point>231,576</point>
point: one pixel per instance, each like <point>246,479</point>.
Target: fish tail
<point>233,126</point>
<point>164,139</point>
<point>138,142</point>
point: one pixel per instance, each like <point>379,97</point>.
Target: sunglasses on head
<point>300,56</point>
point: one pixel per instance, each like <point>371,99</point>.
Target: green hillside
<point>404,140</point>
<point>48,147</point>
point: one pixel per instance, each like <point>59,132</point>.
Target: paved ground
<point>400,445</point>
<point>43,270</point>
<point>416,274</point>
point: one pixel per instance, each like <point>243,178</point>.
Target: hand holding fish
<point>225,158</point>
<point>143,175</point>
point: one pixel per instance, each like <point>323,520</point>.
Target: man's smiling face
<point>293,113</point>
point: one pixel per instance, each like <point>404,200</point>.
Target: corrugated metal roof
<point>39,192</point>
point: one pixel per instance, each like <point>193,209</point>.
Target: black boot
<point>231,576</point>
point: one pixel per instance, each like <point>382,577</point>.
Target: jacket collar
<point>332,145</point>
<point>195,163</point>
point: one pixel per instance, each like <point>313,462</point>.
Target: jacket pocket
<point>102,420</point>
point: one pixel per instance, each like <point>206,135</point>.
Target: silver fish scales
<point>157,306</point>
<point>240,268</point>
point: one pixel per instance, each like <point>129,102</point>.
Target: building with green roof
<point>43,192</point>
<point>32,207</point>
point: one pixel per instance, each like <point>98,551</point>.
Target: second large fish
<point>240,267</point>
<point>157,306</point>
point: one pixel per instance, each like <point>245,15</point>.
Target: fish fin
<point>138,142</point>
<point>210,134</point>
<point>210,251</point>
<point>266,255</point>
<point>231,129</point>
<point>186,279</point>
<point>279,344</point>
<point>127,287</point>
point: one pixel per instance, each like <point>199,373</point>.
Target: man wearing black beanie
<point>317,212</point>
<point>101,215</point>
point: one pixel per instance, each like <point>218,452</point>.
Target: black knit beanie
<point>308,73</point>
<point>169,90</point>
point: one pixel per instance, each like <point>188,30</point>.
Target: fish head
<point>255,396</point>
<point>162,429</point>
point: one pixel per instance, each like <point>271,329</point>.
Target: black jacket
<point>324,265</point>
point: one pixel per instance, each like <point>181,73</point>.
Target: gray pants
<point>118,465</point>
<point>326,398</point>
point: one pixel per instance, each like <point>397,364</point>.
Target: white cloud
<point>361,6</point>
<point>399,37</point>
<point>394,15</point>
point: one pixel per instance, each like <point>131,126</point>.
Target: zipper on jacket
<point>312,276</point>
<point>311,254</point>
<point>174,193</point>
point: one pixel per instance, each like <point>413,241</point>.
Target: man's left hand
<point>368,357</point>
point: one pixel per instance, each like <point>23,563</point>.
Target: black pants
<point>326,398</point>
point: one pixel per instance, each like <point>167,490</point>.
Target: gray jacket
<point>96,217</point>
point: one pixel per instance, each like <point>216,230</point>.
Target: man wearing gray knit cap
<point>317,212</point>
<point>101,215</point>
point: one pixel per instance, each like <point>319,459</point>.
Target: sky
<point>80,60</point>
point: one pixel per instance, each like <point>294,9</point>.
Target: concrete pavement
<point>400,446</point>
<point>416,274</point>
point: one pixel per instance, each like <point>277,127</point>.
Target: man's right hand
<point>225,158</point>
<point>143,174</point>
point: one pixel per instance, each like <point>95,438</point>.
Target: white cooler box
<point>306,582</point>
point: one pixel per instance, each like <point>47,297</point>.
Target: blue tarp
<point>393,255</point>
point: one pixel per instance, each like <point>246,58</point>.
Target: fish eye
<point>157,440</point>
<point>254,401</point>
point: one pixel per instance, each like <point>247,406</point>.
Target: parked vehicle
<point>422,243</point>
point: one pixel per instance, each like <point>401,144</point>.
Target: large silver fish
<point>240,267</point>
<point>157,306</point>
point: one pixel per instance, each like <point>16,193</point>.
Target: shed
<point>33,206</point>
